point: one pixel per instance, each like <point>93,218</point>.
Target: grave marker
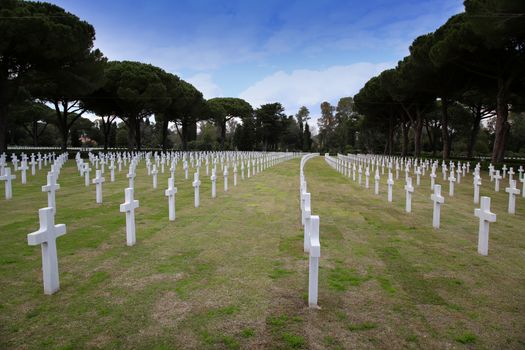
<point>513,192</point>
<point>170,193</point>
<point>438,199</point>
<point>8,178</point>
<point>485,218</point>
<point>46,236</point>
<point>129,207</point>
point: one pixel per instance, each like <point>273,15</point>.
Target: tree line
<point>460,90</point>
<point>51,75</point>
<point>470,69</point>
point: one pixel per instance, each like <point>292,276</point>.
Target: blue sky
<point>293,52</point>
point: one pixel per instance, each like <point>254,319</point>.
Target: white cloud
<point>311,87</point>
<point>205,84</point>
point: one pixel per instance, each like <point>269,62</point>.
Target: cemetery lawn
<point>232,274</point>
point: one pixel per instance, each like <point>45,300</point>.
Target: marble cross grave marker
<point>170,193</point>
<point>129,207</point>
<point>196,185</point>
<point>46,236</point>
<point>408,189</point>
<point>513,192</point>
<point>98,181</point>
<point>438,199</point>
<point>8,178</point>
<point>485,218</point>
<point>51,188</point>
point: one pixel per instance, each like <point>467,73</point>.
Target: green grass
<point>232,274</point>
<point>466,338</point>
<point>361,326</point>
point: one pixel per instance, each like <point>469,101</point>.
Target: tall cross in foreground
<point>46,236</point>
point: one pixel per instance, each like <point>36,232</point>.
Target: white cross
<point>497,178</point>
<point>504,170</point>
<point>520,171</point>
<point>485,218</point>
<point>185,167</point>
<point>33,164</point>
<point>390,183</point>
<point>458,171</point>
<point>87,169</point>
<point>360,172</point>
<point>315,253</point>
<point>129,207</point>
<point>477,184</point>
<point>2,165</point>
<point>8,178</point>
<point>46,236</point>
<point>196,184</point>
<point>438,200</point>
<point>225,179</point>
<point>511,173</point>
<point>307,212</point>
<point>112,171</point>
<point>513,192</point>
<point>15,163</point>
<point>51,187</point>
<point>451,180</point>
<point>170,193</point>
<point>235,174</point>
<point>376,182</point>
<point>154,172</point>
<point>418,176</point>
<point>23,169</point>
<point>98,181</point>
<point>213,183</point>
<point>131,175</point>
<point>367,177</point>
<point>408,189</point>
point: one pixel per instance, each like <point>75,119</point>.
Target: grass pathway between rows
<point>231,274</point>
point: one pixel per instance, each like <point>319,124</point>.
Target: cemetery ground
<point>232,273</point>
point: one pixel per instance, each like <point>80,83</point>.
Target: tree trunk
<point>390,142</point>
<point>165,123</point>
<point>34,132</point>
<point>444,128</point>
<point>106,128</point>
<point>64,132</point>
<point>131,133</point>
<point>418,128</point>
<point>137,134</point>
<point>474,132</point>
<point>498,151</point>
<point>431,139</point>
<point>223,133</point>
<point>3,128</point>
<point>404,143</point>
<point>184,135</point>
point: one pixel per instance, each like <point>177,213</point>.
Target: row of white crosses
<point>8,177</point>
<point>131,204</point>
<point>48,232</point>
<point>343,164</point>
<point>312,245</point>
